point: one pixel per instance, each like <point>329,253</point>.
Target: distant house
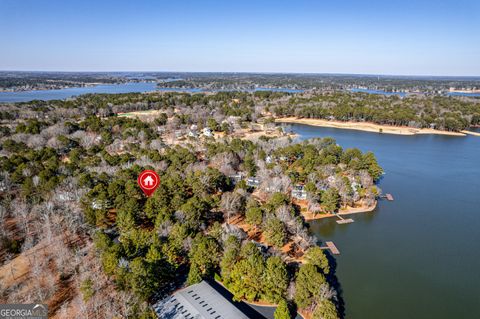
<point>299,192</point>
<point>192,134</point>
<point>268,159</point>
<point>253,182</point>
<point>99,204</point>
<point>207,132</point>
<point>236,178</point>
<point>262,247</point>
<point>199,301</point>
<point>355,185</point>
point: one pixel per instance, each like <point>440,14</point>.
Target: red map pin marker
<point>148,181</point>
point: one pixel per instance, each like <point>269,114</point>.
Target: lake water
<point>464,94</point>
<point>131,87</point>
<point>418,256</point>
<point>61,94</point>
<point>377,92</point>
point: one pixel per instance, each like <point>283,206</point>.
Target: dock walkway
<point>342,220</point>
<point>331,246</point>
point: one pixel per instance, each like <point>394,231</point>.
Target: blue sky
<point>374,37</point>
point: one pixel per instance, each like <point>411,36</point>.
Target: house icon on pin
<point>148,181</point>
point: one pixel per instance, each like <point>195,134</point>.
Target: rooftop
<point>199,301</point>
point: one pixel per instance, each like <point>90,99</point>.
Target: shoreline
<point>260,303</point>
<point>309,216</point>
<point>471,133</point>
<point>369,127</point>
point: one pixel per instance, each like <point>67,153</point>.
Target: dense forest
<point>94,244</point>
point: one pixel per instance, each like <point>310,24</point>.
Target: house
<point>299,192</point>
<point>355,186</point>
<point>236,178</point>
<point>207,132</point>
<point>253,182</point>
<point>99,204</point>
<point>192,134</point>
<point>201,301</point>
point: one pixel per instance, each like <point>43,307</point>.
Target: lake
<point>358,90</point>
<point>464,94</point>
<point>418,256</point>
<point>130,87</point>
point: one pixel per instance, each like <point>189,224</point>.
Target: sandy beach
<point>343,211</point>
<point>367,127</point>
<point>470,133</point>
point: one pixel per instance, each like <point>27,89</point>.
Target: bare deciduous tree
<point>232,203</point>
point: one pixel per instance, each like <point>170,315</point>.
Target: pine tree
<point>325,310</point>
<point>229,258</point>
<point>282,311</point>
<point>275,280</point>
<point>330,200</point>
<point>275,233</point>
<point>308,285</point>
<point>246,275</point>
<point>316,256</point>
<point>204,258</point>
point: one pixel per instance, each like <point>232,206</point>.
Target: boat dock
<point>342,220</point>
<point>388,197</point>
<point>331,246</point>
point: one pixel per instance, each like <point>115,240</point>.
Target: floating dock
<point>342,220</point>
<point>389,197</point>
<point>332,247</point>
<point>345,221</point>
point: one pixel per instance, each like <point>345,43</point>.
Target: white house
<point>299,192</point>
<point>207,132</point>
<point>253,182</point>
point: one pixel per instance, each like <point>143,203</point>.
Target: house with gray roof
<point>198,301</point>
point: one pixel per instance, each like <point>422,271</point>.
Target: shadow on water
<point>335,284</point>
